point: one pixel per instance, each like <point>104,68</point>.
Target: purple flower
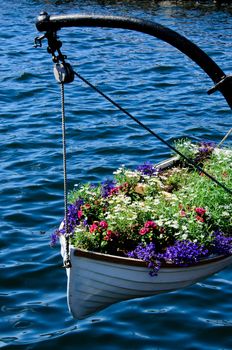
<point>54,238</point>
<point>206,146</point>
<point>85,222</point>
<point>73,220</point>
<point>205,150</point>
<point>73,217</point>
<point>222,244</point>
<point>184,253</point>
<point>106,188</point>
<point>148,169</point>
<point>148,254</point>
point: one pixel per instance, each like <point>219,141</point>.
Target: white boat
<point>97,280</point>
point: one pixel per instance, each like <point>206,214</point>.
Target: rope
<point>67,261</point>
<point>188,160</point>
<point>224,138</point>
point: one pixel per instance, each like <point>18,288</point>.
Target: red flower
<point>200,211</point>
<point>125,185</point>
<point>109,235</point>
<point>114,190</point>
<point>87,206</point>
<point>199,218</point>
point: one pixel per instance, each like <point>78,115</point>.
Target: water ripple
<point>164,90</point>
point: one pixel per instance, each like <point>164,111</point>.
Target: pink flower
<point>149,224</point>
<point>93,228</point>
<point>103,224</point>
<point>143,231</point>
<point>79,214</point>
<point>200,211</point>
<point>182,213</point>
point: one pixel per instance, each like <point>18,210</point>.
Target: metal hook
<point>38,41</point>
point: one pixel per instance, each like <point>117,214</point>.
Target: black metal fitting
<point>53,23</point>
<point>38,41</point>
<point>63,72</point>
<point>54,46</point>
<point>67,264</point>
<point>43,17</point>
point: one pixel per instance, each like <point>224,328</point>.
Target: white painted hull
<point>96,281</point>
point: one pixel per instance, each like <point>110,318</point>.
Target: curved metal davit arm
<point>223,83</point>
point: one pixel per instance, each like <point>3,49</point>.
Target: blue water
<point>161,87</point>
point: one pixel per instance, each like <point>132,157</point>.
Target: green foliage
<point>162,207</point>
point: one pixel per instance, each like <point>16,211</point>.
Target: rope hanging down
<point>188,160</point>
<point>67,260</point>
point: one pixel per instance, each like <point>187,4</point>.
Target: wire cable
<point>67,260</point>
<point>188,160</point>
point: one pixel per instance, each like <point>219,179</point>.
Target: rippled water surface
<point>161,87</point>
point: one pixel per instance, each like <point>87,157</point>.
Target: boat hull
<point>96,280</point>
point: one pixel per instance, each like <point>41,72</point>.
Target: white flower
<point>225,214</point>
<point>174,224</point>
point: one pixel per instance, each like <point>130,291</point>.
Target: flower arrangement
<point>175,215</point>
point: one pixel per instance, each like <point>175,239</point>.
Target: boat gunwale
<point>136,262</point>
